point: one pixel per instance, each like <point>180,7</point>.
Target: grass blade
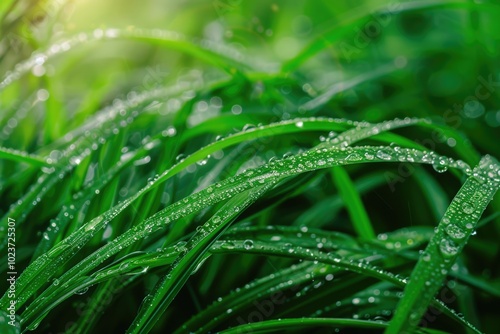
<point>455,228</point>
<point>20,156</point>
<point>353,203</point>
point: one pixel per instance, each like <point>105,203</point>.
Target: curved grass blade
<point>219,55</point>
<point>20,156</point>
<point>353,203</point>
<point>453,231</point>
<point>343,86</point>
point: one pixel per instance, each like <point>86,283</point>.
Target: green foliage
<point>249,167</point>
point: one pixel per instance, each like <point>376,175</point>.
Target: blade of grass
<point>221,56</point>
<point>353,203</point>
<point>453,231</point>
<point>24,157</point>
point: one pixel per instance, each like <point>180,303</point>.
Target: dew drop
<point>455,232</point>
<point>202,162</point>
<point>383,155</point>
<point>248,244</point>
<point>468,207</point>
<point>227,245</point>
<point>369,156</point>
<point>82,291</point>
<point>169,132</point>
<point>440,165</point>
<point>354,157</point>
<point>448,248</point>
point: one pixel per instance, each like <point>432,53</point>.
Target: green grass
<point>249,167</point>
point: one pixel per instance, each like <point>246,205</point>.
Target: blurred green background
<point>437,59</point>
<point>360,60</point>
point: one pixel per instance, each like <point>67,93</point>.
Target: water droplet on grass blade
<point>448,248</point>
<point>82,291</point>
<point>383,155</point>
<point>354,157</point>
<point>202,162</point>
<point>439,168</point>
<point>455,232</point>
<point>468,207</point>
<point>248,244</point>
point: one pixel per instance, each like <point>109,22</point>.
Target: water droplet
<point>248,127</point>
<point>82,291</point>
<point>468,207</point>
<point>369,156</point>
<point>202,162</point>
<point>383,155</point>
<point>440,165</point>
<point>448,248</point>
<point>455,232</point>
<point>248,244</point>
<point>354,157</point>
<point>227,245</point>
<point>169,132</point>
